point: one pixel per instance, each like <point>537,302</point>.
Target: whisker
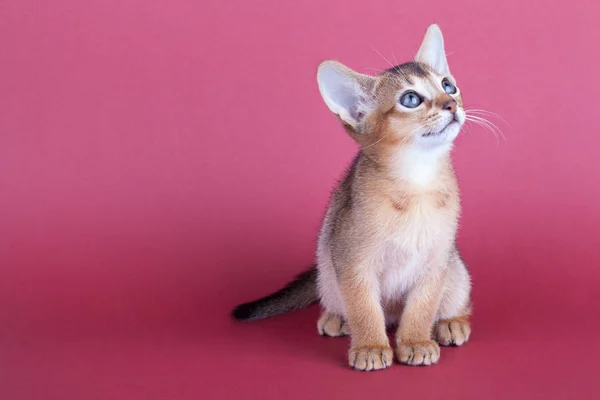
<point>488,122</point>
<point>381,55</point>
<point>485,125</point>
<point>375,69</point>
<point>480,117</point>
<point>486,128</point>
<point>486,112</point>
<point>405,139</point>
<point>468,128</point>
<point>373,144</point>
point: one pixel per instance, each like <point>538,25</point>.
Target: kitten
<point>386,252</point>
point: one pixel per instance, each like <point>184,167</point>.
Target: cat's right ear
<point>345,92</point>
<point>432,51</point>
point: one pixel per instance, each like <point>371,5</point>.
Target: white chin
<point>446,136</point>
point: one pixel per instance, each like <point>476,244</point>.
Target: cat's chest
<point>418,227</point>
<point>399,272</point>
<point>412,241</point>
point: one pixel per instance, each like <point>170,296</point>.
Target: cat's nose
<point>450,105</point>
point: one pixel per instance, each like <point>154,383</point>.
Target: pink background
<point>163,160</point>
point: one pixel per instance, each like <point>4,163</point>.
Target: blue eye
<point>410,100</point>
<point>448,87</point>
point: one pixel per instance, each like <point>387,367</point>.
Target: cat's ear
<point>432,51</point>
<point>345,92</point>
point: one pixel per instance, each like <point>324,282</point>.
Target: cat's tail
<point>299,293</point>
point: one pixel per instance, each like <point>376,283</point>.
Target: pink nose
<point>450,105</point>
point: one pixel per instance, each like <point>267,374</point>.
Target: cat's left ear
<point>432,51</point>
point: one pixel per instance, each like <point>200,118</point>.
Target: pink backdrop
<point>163,160</point>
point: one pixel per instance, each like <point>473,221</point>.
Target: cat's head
<point>415,104</point>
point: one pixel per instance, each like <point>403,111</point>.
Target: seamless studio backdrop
<point>162,161</point>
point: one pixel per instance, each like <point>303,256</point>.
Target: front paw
<point>370,358</point>
<point>426,352</point>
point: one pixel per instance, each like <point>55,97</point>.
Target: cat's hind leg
<point>332,325</point>
<point>452,327</point>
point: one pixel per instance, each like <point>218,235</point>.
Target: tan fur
<point>332,325</point>
<point>386,253</point>
<point>455,331</point>
<point>387,247</point>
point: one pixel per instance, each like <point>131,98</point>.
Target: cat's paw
<point>332,325</point>
<point>425,352</point>
<point>453,332</point>
<point>370,358</point>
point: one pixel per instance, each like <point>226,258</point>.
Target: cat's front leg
<point>413,337</point>
<point>370,348</point>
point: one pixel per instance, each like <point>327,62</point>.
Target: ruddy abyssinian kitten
<point>386,252</point>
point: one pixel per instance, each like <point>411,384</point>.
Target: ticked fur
<point>386,252</point>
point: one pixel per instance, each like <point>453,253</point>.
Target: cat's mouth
<point>443,130</point>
